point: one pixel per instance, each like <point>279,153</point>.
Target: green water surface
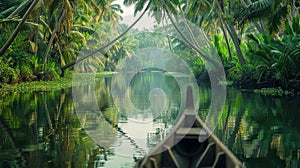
<point>46,129</point>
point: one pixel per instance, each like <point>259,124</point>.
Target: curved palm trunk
<point>53,34</point>
<point>234,38</point>
<point>236,43</point>
<point>18,28</point>
<point>203,55</point>
<point>103,47</point>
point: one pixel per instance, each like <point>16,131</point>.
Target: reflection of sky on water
<point>123,147</point>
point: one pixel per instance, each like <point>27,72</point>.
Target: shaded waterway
<point>45,129</point>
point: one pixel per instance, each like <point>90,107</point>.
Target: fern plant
<point>275,60</point>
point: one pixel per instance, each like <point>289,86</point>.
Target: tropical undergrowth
<point>272,62</point>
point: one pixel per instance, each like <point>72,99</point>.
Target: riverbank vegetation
<point>257,41</point>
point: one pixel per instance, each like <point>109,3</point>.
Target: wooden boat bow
<point>191,144</point>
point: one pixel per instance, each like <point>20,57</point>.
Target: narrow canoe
<point>191,144</point>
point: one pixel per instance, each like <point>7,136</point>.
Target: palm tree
<point>155,7</point>
<point>18,28</point>
<point>111,11</point>
<point>73,20</point>
<point>229,24</point>
<point>203,14</point>
<point>152,6</point>
<point>64,17</point>
<point>210,13</point>
<point>106,10</point>
<point>104,46</point>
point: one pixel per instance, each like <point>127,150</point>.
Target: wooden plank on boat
<point>190,133</point>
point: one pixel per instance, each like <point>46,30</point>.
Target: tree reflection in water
<point>42,129</point>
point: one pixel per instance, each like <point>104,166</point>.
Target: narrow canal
<point>43,129</point>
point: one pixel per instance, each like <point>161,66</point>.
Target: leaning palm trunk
<point>236,43</point>
<point>201,53</point>
<point>226,40</point>
<point>188,27</point>
<point>18,28</point>
<point>105,46</point>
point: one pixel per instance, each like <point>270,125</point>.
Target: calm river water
<point>51,129</point>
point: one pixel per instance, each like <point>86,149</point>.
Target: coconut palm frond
<point>275,21</point>
<point>8,11</point>
<point>255,11</point>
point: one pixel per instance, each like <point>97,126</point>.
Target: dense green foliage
<point>257,41</point>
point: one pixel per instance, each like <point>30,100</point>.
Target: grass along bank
<point>56,84</point>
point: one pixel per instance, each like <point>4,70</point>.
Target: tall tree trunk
<point>236,43</point>
<point>234,38</point>
<point>227,41</point>
<point>18,28</point>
